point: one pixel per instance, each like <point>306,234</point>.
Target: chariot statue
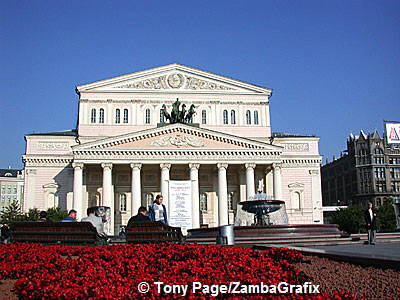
<point>179,113</point>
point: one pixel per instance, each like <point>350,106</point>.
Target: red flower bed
<point>114,272</point>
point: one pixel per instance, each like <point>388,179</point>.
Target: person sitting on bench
<point>96,221</point>
<point>140,217</point>
<point>43,217</point>
<point>71,216</point>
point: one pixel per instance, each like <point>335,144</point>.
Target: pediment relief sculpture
<point>173,81</point>
<point>178,141</point>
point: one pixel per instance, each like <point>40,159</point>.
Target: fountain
<point>263,220</point>
<point>261,207</point>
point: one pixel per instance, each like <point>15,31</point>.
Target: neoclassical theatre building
<point>120,156</point>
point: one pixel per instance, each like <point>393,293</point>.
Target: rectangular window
<point>380,186</point>
<point>203,117</point>
<point>396,186</point>
<point>126,116</point>
<point>394,173</point>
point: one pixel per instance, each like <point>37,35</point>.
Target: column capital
<point>313,172</point>
<point>222,165</point>
<point>77,165</point>
<point>194,166</point>
<point>250,165</point>
<point>107,166</point>
<point>268,169</point>
<point>165,166</point>
<point>276,166</point>
<point>136,166</point>
<point>30,171</point>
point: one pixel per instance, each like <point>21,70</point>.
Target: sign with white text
<point>393,132</point>
<point>180,204</point>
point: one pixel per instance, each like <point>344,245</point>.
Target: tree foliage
<point>350,219</point>
<point>386,217</point>
<point>13,213</point>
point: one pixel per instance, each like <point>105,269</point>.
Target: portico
<point>191,153</point>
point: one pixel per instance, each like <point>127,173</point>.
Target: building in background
<point>119,156</point>
<point>369,170</point>
<point>11,187</point>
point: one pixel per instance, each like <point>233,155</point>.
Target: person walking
<point>158,211</point>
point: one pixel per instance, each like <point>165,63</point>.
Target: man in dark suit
<point>140,217</point>
<point>370,220</point>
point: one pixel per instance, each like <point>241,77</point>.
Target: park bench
<point>152,232</point>
<point>65,233</point>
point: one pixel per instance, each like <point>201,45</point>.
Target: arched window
<point>203,116</point>
<point>230,201</point>
<point>149,199</point>
<point>248,117</point>
<point>255,117</point>
<point>122,202</point>
<point>101,115</point>
<point>93,116</point>
<point>117,116</point>
<point>296,200</point>
<point>225,115</point>
<point>203,202</point>
<point>126,116</point>
<point>233,117</point>
<point>147,116</point>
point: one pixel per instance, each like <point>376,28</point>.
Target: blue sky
<point>334,65</point>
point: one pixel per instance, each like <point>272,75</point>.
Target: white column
<point>78,185</point>
<point>277,182</point>
<point>194,177</point>
<point>165,184</point>
<point>269,190</point>
<point>30,190</point>
<point>250,187</point>
<point>223,218</point>
<point>136,193</point>
<point>316,199</point>
<point>107,193</point>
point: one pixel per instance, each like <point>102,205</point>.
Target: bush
<point>13,213</point>
<point>350,219</point>
<point>386,217</point>
<point>56,214</point>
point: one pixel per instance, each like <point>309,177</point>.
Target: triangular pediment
<point>174,78</point>
<point>176,136</point>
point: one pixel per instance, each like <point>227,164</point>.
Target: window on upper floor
<point>394,173</point>
<point>203,116</point>
<point>225,116</point>
<point>117,116</point>
<point>101,115</point>
<point>126,116</point>
<point>255,117</point>
<point>230,201</point>
<point>147,116</point>
<point>233,117</point>
<point>378,151</point>
<point>203,202</point>
<point>93,116</point>
<point>248,117</point>
<point>122,202</point>
<point>161,116</point>
<point>379,173</point>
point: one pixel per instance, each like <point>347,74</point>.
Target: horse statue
<point>164,114</point>
<point>190,114</point>
<point>182,113</point>
<point>175,111</point>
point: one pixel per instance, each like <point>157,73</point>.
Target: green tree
<point>350,219</point>
<point>56,214</point>
<point>12,213</point>
<point>386,218</point>
<point>32,215</point>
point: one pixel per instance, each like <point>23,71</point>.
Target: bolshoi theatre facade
<point>123,152</point>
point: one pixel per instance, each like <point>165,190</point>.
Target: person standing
<point>158,211</point>
<point>370,220</point>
